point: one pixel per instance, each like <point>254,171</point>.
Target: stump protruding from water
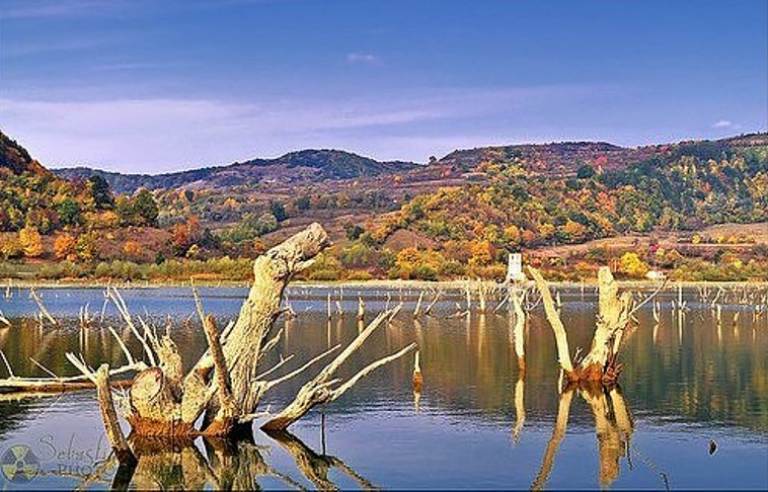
<point>418,379</point>
<point>225,385</point>
<point>614,312</point>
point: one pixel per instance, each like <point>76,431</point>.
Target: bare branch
<point>561,336</point>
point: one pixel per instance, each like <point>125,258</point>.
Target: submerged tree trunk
<point>225,385</point>
<point>614,312</point>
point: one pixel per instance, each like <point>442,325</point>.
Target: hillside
<point>565,158</point>
<point>15,158</point>
<point>506,206</point>
<point>302,167</point>
<point>457,216</point>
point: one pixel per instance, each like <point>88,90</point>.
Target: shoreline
<point>374,283</point>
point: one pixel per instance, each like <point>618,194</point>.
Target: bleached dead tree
<point>321,389</point>
<point>225,385</point>
<point>614,312</point>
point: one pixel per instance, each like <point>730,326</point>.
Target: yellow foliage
<point>482,252</point>
<point>31,242</point>
<point>546,230</point>
<point>132,249</point>
<point>86,246</point>
<point>412,263</point>
<point>512,234</point>
<point>574,229</point>
<point>10,246</point>
<point>632,266</point>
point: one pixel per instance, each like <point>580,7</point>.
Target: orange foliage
<point>64,247</point>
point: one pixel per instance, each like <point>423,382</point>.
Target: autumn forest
<point>679,209</point>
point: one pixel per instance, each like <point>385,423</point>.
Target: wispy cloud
<point>363,58</point>
<point>166,134</point>
<point>722,124</point>
<point>154,135</point>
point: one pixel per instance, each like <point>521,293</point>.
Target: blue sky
<point>149,86</point>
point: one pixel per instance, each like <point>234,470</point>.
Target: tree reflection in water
<point>613,427</point>
<point>226,465</point>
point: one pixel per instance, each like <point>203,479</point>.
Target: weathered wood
<point>57,384</point>
<point>115,436</point>
<point>360,309</point>
<point>417,310</point>
<point>432,304</point>
<point>516,297</point>
<point>613,316</point>
<point>43,310</point>
<point>272,272</point>
<point>109,417</point>
<point>614,311</point>
<point>561,338</point>
<point>319,389</point>
<point>227,413</point>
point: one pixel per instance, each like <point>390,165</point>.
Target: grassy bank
<point>228,271</point>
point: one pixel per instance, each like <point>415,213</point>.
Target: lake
<point>691,410</point>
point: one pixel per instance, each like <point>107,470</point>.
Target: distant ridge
<point>311,166</point>
<point>295,167</point>
<point>566,157</point>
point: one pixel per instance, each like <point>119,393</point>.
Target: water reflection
<point>313,466</point>
<point>476,405</point>
<point>613,428</point>
<point>239,464</point>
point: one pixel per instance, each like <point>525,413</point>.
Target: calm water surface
<point>476,424</point>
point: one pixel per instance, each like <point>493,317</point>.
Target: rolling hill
<point>301,167</point>
<point>456,216</point>
<point>565,158</point>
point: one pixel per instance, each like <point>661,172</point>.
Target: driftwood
<point>58,384</point>
<point>115,436</point>
<point>614,310</point>
<point>43,310</point>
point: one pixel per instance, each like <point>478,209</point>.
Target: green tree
<point>100,191</point>
<point>303,202</point>
<point>145,208</point>
<point>585,171</point>
<point>353,231</point>
<point>278,210</point>
<point>69,212</point>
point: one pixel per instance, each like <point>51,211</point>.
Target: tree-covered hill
<point>302,167</point>
<point>685,188</point>
<point>14,159</point>
<point>457,216</point>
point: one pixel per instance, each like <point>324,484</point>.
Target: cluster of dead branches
<point>221,392</point>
